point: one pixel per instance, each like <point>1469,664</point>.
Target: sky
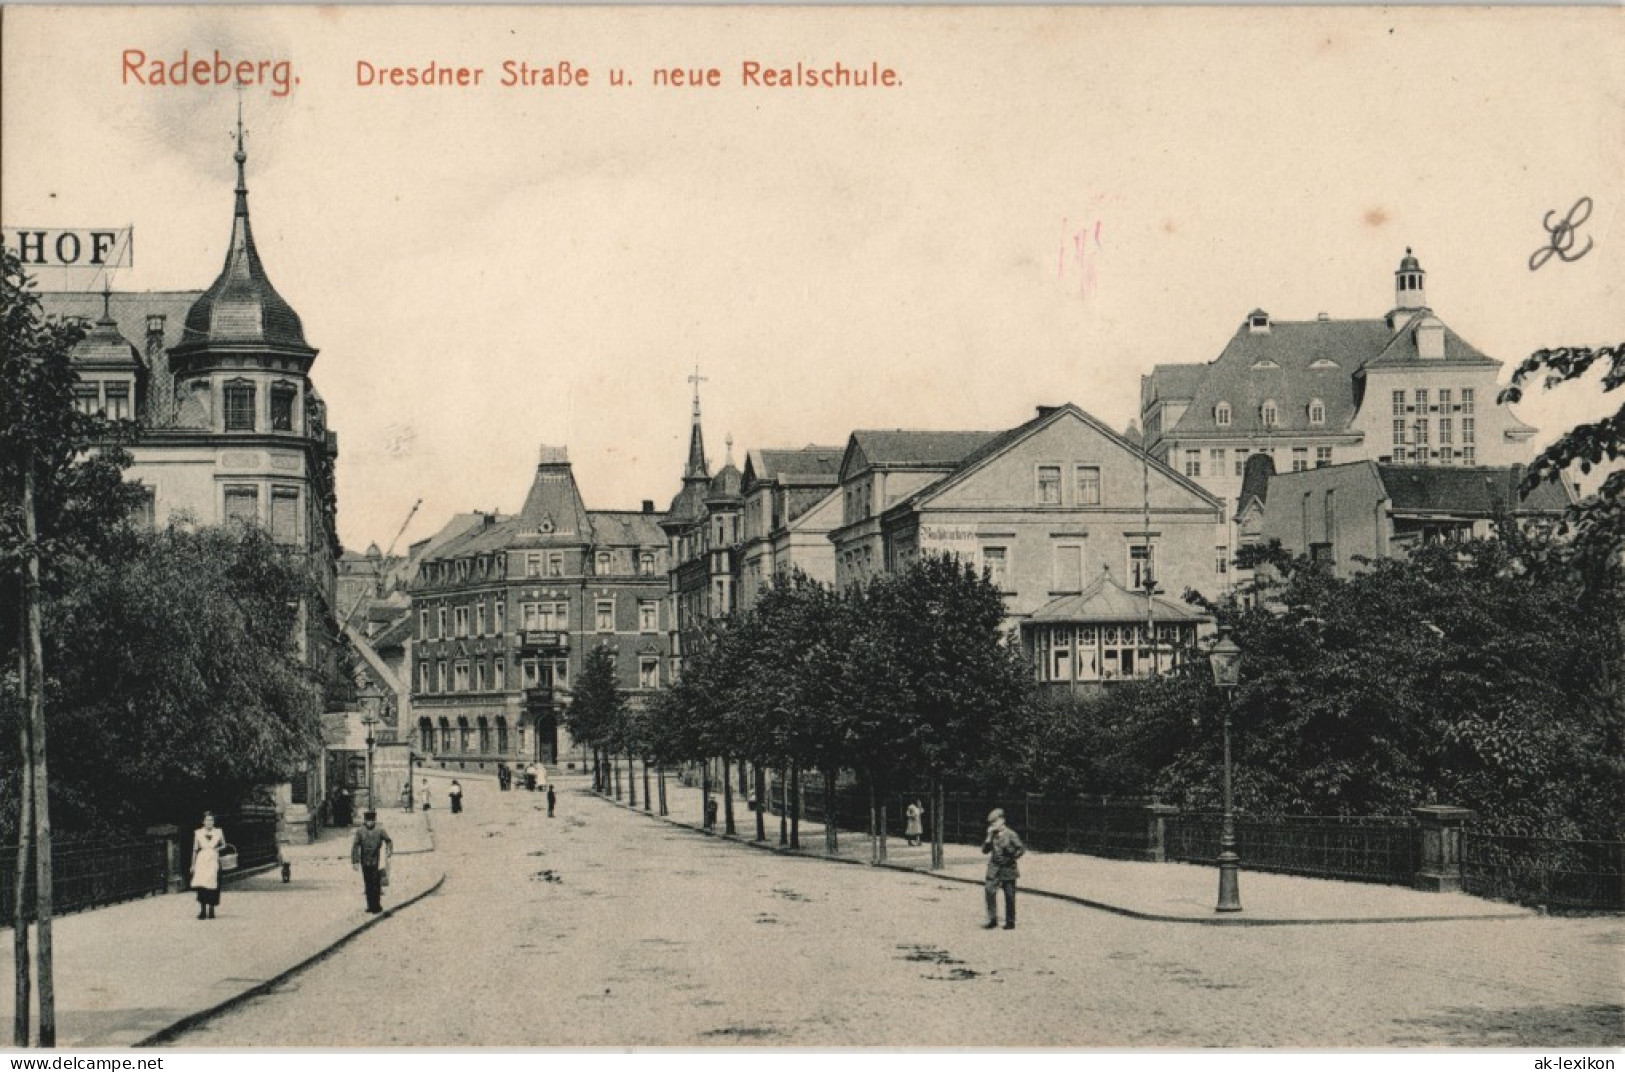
<point>1048,203</point>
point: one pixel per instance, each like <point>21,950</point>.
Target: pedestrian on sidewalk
<point>455,795</point>
<point>502,776</point>
<point>552,799</point>
<point>912,832</point>
<point>370,852</point>
<point>1004,848</point>
<point>207,841</point>
<point>530,777</point>
<point>423,794</point>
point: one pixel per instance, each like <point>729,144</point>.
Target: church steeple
<point>696,469</point>
<point>242,308</point>
<point>689,503</point>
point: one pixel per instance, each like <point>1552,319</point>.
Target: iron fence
<point>252,832</point>
<point>1585,875</point>
<point>89,875</point>
<point>1379,848</point>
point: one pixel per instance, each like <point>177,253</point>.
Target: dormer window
<point>1258,322</point>
<point>1221,415</point>
<point>1317,411</point>
<point>1267,415</point>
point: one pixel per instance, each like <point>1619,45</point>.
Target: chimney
<point>648,506</point>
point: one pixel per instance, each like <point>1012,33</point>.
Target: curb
<point>187,1023</point>
<point>1118,910</point>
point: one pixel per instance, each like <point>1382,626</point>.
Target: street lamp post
<point>1225,659</point>
<point>411,780</point>
<point>370,700</point>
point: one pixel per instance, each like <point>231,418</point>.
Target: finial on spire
<point>107,298</point>
<point>696,379</point>
<point>240,155</point>
<point>728,442</point>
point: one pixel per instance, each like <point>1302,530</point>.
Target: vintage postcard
<point>550,344</point>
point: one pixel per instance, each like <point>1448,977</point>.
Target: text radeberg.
<point>215,70</point>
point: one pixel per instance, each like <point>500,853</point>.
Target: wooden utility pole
<point>35,686</point>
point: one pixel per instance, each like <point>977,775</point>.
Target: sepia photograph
<point>773,528</point>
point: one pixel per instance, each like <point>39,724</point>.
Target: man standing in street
<point>1004,848</point>
<point>370,852</point>
<point>552,799</point>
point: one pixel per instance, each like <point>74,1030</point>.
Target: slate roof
<point>1177,382</point>
<point>105,347</point>
<point>554,498</point>
<point>1460,490</point>
<point>809,465</point>
<point>726,484</point>
<point>626,528</point>
<point>901,448</point>
<point>1108,601</point>
<point>1256,366</point>
<point>241,306</point>
<point>129,310</point>
<point>1401,350</point>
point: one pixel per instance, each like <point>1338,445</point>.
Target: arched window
<point>485,736</point>
<point>502,735</point>
<point>1317,411</point>
<point>465,734</point>
<point>1221,415</point>
<point>1267,413</point>
<point>426,735</point>
<point>445,735</point>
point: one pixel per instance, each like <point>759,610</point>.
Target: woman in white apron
<point>206,843</point>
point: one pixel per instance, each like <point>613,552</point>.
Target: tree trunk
<point>784,805</point>
<point>25,857</point>
<point>42,804</point>
<point>874,842</point>
<point>881,841</point>
<point>728,797</point>
<point>631,780</point>
<point>615,769</point>
<point>795,806</point>
<point>935,819</point>
<point>761,802</point>
<point>660,780</point>
<point>705,795</point>
<point>648,800</point>
<point>832,843</point>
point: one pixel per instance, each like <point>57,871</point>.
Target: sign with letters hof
<point>958,540</point>
<point>72,247</point>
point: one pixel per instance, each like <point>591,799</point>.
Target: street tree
<point>596,712</point>
<point>178,683</point>
<point>61,495</point>
<point>1598,522</point>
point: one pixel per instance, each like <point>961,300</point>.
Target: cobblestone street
<point>602,927</point>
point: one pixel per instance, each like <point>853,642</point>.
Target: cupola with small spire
<point>242,313</point>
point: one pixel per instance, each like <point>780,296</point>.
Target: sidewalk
<point>1168,892</point>
<point>135,973</point>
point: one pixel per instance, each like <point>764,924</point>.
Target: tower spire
<point>696,468</point>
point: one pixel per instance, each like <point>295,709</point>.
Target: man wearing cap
<point>370,852</point>
<point>1004,848</point>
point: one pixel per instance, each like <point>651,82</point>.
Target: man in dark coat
<point>369,853</point>
<point>1004,848</point>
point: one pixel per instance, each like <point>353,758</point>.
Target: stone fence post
<point>1440,832</point>
<point>174,880</point>
<point>1156,831</point>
